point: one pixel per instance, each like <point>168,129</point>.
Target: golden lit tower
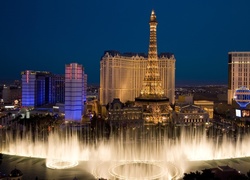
<point>152,84</point>
<point>152,99</point>
<point>137,75</point>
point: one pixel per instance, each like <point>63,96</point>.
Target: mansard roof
<point>131,54</point>
<point>191,107</point>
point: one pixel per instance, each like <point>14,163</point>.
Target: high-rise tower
<point>238,74</point>
<point>152,99</point>
<point>36,88</point>
<point>75,91</point>
<point>152,84</point>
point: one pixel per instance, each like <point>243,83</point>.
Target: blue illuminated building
<point>35,88</point>
<point>42,87</point>
<point>58,89</point>
<point>28,88</point>
<point>75,91</point>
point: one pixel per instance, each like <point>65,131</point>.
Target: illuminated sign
<point>238,112</point>
<point>242,96</point>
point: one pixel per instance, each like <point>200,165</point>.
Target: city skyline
<point>200,34</point>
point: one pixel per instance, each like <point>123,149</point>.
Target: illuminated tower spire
<point>154,103</point>
<point>152,84</point>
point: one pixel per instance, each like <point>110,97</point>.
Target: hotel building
<point>75,91</point>
<point>121,114</point>
<point>191,114</point>
<point>36,88</point>
<point>238,72</point>
<point>41,87</point>
<point>122,74</point>
<point>58,88</point>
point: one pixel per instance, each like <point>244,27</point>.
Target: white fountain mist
<point>129,153</point>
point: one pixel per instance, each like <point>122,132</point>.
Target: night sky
<point>44,35</point>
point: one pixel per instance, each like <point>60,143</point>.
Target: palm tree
<point>205,175</point>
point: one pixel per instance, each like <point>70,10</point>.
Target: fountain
<point>152,152</point>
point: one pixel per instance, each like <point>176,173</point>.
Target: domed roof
<point>16,173</point>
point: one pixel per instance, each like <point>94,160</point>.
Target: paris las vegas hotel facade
<point>121,75</point>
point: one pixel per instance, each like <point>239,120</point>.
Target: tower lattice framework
<point>152,83</point>
<point>154,103</point>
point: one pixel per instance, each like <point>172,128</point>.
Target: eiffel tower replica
<point>154,103</point>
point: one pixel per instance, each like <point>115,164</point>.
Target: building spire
<point>152,84</point>
<point>153,16</point>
